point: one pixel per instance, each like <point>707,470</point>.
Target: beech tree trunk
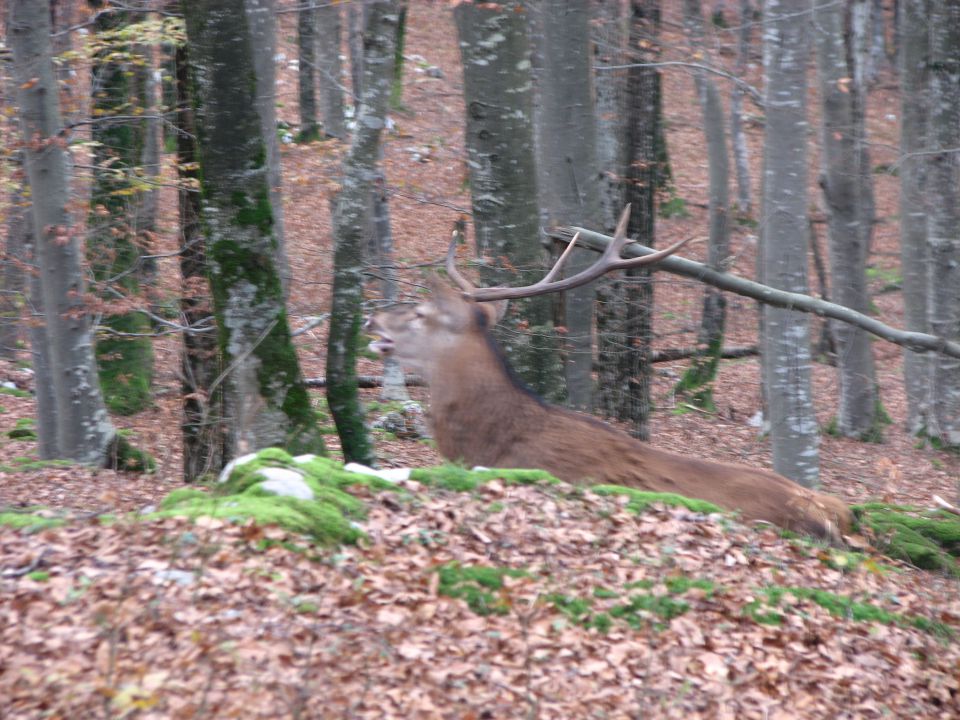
<point>741,153</point>
<point>330,69</point>
<point>914,48</point>
<point>83,429</point>
<point>785,335</point>
<point>261,19</point>
<point>350,220</point>
<point>204,427</point>
<point>266,401</point>
<point>569,187</point>
<point>848,193</point>
<point>501,156</point>
<point>943,229</point>
<point>697,382</point>
<point>118,88</point>
<point>306,71</point>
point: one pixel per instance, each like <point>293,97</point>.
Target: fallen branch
<point>915,341</point>
<point>369,381</point>
<point>673,354</point>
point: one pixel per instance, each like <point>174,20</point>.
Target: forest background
<point>425,185</point>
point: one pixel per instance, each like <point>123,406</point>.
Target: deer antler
<point>609,260</point>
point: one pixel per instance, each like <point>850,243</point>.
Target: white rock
<point>304,458</point>
<point>285,482</point>
<point>233,464</point>
<point>392,475</point>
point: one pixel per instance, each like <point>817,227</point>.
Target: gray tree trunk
<point>306,71</point>
<point>19,236</point>
<point>148,201</point>
<point>394,385</point>
<point>914,48</point>
<point>609,34</point>
<point>83,430</point>
<point>785,339</point>
<point>266,401</point>
<point>204,426</point>
<point>262,23</point>
<point>330,69</point>
<point>738,137</point>
<point>697,381</point>
<point>350,219</point>
<point>569,187</point>
<point>848,194</point>
<point>118,88</point>
<point>943,230</point>
<point>501,156</point>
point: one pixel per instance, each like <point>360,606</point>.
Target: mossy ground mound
<point>929,539</point>
<point>321,507</point>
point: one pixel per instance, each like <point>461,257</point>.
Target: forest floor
<point>95,620</point>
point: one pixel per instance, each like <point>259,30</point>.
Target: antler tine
<point>560,261</point>
<point>609,260</point>
<point>451,265</point>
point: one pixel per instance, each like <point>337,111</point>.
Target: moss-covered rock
<point>305,494</point>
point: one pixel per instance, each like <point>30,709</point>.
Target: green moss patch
<point>25,429</point>
<point>457,478</point>
<point>29,520</point>
<point>928,539</point>
<point>640,500</point>
<point>481,587</point>
<point>767,610</point>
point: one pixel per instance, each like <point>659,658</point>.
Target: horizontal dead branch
<point>915,341</point>
<point>369,381</point>
<point>674,354</point>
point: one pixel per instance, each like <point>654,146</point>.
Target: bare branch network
<point>915,341</point>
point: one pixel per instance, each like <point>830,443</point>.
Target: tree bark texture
<point>306,72</point>
<point>914,50</point>
<point>330,69</point>
<point>266,401</point>
<point>569,187</point>
<point>786,335</point>
<point>848,194</point>
<point>83,429</point>
<point>261,19</point>
<point>697,381</point>
<point>943,229</point>
<point>350,220</point>
<point>738,137</point>
<point>204,427</point>
<point>501,157</point>
<point>118,88</point>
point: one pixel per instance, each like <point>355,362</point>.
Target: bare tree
<point>848,193</point>
<point>943,229</point>
<point>914,48</point>
<point>569,190</point>
<point>785,335</point>
<point>330,70</point>
<point>83,430</point>
<point>697,381</point>
<point>501,154</point>
<point>350,221</point>
<point>266,402</point>
<point>306,70</point>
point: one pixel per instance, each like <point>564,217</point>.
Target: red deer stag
<point>482,415</point>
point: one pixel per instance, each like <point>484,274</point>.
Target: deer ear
<point>494,311</point>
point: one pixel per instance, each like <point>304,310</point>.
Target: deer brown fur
<point>482,415</point>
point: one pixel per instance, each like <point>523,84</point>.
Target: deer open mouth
<point>381,344</point>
